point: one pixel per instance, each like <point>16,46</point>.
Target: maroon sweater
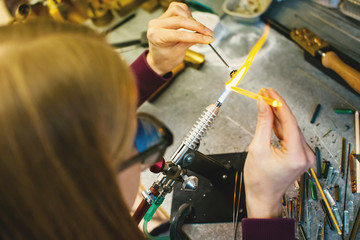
<point>252,229</point>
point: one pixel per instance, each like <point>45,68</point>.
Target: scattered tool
<point>236,204</point>
<point>318,162</point>
<point>327,215</point>
<point>355,225</point>
<point>357,150</point>
<point>343,111</point>
<point>352,173</point>
<point>343,156</point>
<point>326,201</point>
<point>315,114</point>
<point>321,55</point>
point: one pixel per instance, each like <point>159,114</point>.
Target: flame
<point>240,73</point>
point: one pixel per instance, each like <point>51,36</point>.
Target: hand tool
<point>346,183</point>
<point>357,149</point>
<point>355,226</point>
<point>315,114</point>
<point>318,161</point>
<point>326,201</point>
<point>327,215</point>
<point>343,156</point>
<point>352,173</point>
<point>319,52</point>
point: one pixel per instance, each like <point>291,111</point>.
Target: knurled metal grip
<point>192,140</point>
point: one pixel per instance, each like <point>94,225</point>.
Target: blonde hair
<point>67,113</point>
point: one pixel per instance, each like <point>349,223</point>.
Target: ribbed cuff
<point>147,80</point>
<point>268,229</point>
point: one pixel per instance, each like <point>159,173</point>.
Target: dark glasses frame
<point>166,139</point>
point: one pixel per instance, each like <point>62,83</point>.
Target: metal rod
<point>326,202</point>
<point>227,65</point>
<point>357,151</point>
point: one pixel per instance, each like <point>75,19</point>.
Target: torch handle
<point>349,74</point>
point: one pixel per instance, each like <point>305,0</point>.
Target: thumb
<point>264,123</point>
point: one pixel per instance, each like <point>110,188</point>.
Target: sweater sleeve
<point>268,229</point>
<point>147,80</point>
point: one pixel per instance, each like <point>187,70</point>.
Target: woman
<point>67,106</point>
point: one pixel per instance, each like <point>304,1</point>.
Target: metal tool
<point>313,174</point>
<point>227,65</point>
<point>357,148</point>
<point>343,156</point>
<point>352,172</point>
<point>321,55</point>
<point>237,195</point>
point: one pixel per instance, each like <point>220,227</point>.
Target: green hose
<point>149,214</point>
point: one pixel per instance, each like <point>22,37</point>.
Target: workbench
<point>279,65</point>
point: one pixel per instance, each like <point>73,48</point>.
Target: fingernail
<point>262,105</point>
<point>208,39</point>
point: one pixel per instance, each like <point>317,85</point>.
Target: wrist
<point>157,69</point>
<point>258,207</point>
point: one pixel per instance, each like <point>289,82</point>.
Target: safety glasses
<point>152,139</point>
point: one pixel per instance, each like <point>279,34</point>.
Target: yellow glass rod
<point>270,101</point>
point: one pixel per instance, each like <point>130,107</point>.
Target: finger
<point>177,9</point>
<point>286,118</point>
<point>277,128</point>
<point>165,37</point>
<point>179,22</point>
<point>264,124</point>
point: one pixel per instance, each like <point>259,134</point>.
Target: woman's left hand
<point>268,170</point>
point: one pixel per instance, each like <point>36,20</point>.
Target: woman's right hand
<point>268,170</point>
<point>168,44</point>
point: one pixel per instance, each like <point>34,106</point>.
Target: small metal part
<point>190,183</point>
<point>343,111</point>
<point>337,195</point>
<point>343,156</point>
<point>232,73</point>
<point>352,172</point>
<point>315,114</point>
<point>188,159</point>
<point>329,198</point>
<point>346,222</point>
<point>327,215</point>
<point>309,41</point>
<point>318,162</point>
<point>313,191</point>
<point>337,216</point>
<point>224,176</point>
<point>147,196</point>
